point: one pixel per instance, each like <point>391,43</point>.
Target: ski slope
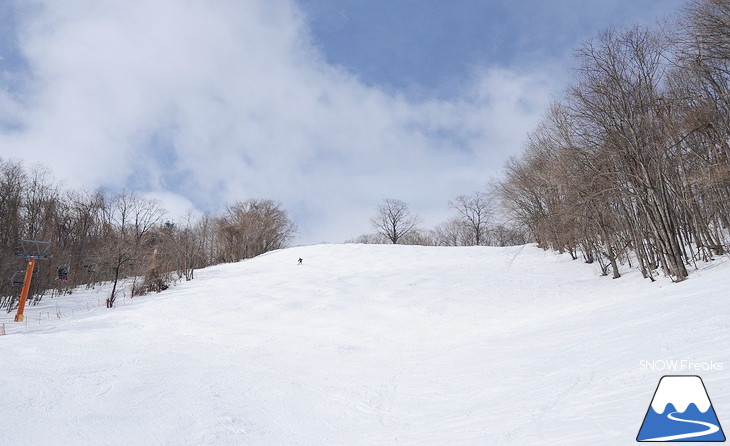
<point>364,345</point>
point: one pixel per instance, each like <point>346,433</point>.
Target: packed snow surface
<point>366,345</point>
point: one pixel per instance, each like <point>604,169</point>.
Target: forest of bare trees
<point>633,165</point>
<point>107,236</point>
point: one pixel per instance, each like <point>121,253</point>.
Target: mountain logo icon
<point>681,411</point>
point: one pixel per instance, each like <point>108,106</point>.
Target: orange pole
<point>24,292</point>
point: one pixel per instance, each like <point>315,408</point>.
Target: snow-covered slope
<point>365,345</point>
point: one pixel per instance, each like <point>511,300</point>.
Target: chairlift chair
<point>18,279</point>
<point>90,267</point>
<point>63,272</point>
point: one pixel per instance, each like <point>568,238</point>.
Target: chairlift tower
<point>30,250</point>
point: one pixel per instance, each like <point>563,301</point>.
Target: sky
<point>326,106</point>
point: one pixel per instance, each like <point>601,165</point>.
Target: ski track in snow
<point>362,345</point>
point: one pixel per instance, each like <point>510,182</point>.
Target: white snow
<point>681,391</point>
<point>364,345</point>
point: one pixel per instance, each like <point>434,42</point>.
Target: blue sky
<point>328,106</point>
<point>429,46</point>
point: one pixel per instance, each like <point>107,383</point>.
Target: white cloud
<point>212,102</point>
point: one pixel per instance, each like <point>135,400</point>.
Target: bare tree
<point>188,244</point>
<point>369,239</point>
<point>450,233</point>
<point>253,227</point>
<point>129,219</point>
<point>418,237</point>
<point>394,220</point>
<point>475,212</point>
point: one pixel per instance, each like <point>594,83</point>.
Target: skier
<point>300,260</point>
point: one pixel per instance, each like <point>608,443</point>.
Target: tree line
<point>632,166</point>
<point>110,235</point>
<point>475,223</point>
